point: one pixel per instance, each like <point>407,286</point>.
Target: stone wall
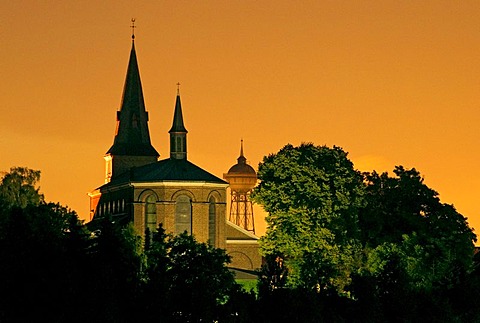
<point>199,196</point>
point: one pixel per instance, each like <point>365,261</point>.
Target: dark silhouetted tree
<point>115,264</point>
<point>41,249</point>
<point>417,247</point>
<point>187,280</point>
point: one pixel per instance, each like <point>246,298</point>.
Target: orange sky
<point>392,82</point>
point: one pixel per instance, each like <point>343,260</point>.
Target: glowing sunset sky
<point>391,82</point>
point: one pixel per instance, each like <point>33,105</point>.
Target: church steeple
<point>131,146</point>
<point>178,133</point>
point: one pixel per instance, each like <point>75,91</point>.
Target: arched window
<point>183,215</point>
<point>151,213</point>
<point>211,221</point>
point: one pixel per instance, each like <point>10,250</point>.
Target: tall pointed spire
<point>132,137</point>
<point>178,133</point>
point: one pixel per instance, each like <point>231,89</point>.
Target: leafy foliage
<point>51,263</point>
<point>417,248</point>
<point>405,217</point>
<point>273,274</point>
<point>382,240</point>
<point>17,188</point>
<point>386,242</point>
<point>312,195</point>
<point>113,260</point>
<point>188,280</point>
<point>40,250</point>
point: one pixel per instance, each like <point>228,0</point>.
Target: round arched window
<point>151,213</point>
<point>183,215</point>
<point>212,222</point>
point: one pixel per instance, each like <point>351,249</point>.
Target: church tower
<point>131,146</point>
<point>144,191</point>
<point>178,133</point>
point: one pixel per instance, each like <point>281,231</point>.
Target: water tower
<point>242,179</point>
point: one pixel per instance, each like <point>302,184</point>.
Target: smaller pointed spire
<point>178,125</point>
<point>178,133</point>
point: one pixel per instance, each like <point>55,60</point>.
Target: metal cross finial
<point>133,28</point>
<point>178,88</point>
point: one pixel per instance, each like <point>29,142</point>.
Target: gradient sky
<point>391,82</point>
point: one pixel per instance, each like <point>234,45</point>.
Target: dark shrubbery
<point>395,255</point>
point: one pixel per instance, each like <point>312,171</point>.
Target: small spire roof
<point>132,136</point>
<point>178,125</point>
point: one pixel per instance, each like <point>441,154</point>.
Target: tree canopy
<point>187,280</point>
<point>405,220</point>
<point>313,195</point>
<point>18,188</point>
<point>337,228</point>
<point>340,246</point>
<point>53,268</point>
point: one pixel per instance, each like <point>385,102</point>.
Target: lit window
<point>211,221</point>
<point>151,213</point>
<point>183,215</point>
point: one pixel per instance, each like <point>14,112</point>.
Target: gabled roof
<point>166,170</point>
<point>132,137</point>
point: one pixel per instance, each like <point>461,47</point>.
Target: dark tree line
<point>54,269</point>
<point>341,246</point>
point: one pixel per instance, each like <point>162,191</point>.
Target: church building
<point>143,189</point>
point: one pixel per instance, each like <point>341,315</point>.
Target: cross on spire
<point>133,28</point>
<point>178,88</point>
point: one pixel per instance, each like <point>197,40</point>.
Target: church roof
<point>166,170</point>
<point>132,137</point>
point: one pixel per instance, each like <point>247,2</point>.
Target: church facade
<point>141,188</point>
